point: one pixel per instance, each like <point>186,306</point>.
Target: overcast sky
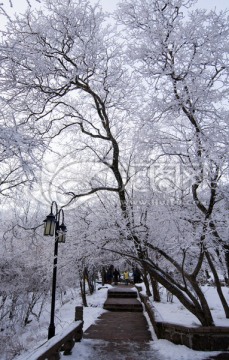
<point>20,5</point>
<point>208,4</point>
<point>211,4</point>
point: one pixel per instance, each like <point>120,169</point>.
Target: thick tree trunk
<point>146,282</point>
<point>90,280</point>
<point>218,285</point>
<point>202,300</point>
<point>197,306</point>
<point>83,292</point>
<point>155,287</point>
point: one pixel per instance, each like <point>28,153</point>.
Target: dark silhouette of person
<point>137,276</point>
<point>110,274</point>
<point>116,275</point>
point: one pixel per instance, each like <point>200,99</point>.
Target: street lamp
<point>52,226</point>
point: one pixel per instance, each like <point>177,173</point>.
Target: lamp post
<point>52,227</point>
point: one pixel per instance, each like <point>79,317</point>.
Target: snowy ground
<point>171,312</point>
<point>175,312</point>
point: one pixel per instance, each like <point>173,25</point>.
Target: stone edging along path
<point>215,338</point>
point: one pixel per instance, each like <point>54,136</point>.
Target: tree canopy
<point>127,126</point>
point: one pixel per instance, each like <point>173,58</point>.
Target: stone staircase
<point>122,332</point>
<point>122,299</point>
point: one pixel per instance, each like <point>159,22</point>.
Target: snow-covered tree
<point>66,72</point>
<point>183,57</point>
<point>21,145</point>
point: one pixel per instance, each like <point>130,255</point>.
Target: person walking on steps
<point>110,274</point>
<point>116,276</point>
<point>126,277</point>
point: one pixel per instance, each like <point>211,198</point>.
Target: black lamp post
<point>52,226</point>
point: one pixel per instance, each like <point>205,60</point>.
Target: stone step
<point>123,304</point>
<point>121,293</point>
<point>120,327</point>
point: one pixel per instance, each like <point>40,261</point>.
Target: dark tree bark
<point>218,285</point>
<point>155,287</point>
<point>146,282</point>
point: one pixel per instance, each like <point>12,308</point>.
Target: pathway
<point>121,333</point>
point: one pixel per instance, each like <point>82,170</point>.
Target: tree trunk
<point>192,304</point>
<point>155,287</point>
<point>218,285</point>
<point>83,292</point>
<point>146,281</point>
<point>90,280</point>
<point>201,299</point>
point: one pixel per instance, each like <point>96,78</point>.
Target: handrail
<point>65,341</point>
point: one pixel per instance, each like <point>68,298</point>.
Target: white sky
<point>208,4</point>
<point>19,6</point>
<point>211,4</point>
<point>109,5</point>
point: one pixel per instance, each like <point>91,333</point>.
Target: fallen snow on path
<point>89,349</point>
